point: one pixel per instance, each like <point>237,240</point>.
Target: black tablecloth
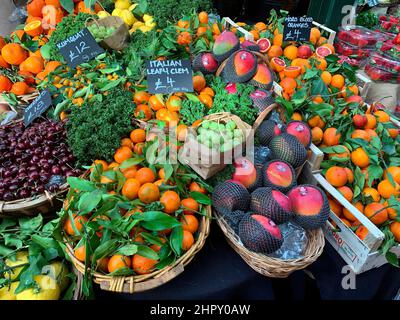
<point>218,272</point>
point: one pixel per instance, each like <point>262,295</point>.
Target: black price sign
<point>168,76</point>
<point>37,107</point>
<point>297,28</point>
<point>79,48</point>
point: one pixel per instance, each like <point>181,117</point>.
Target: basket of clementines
<point>134,224</point>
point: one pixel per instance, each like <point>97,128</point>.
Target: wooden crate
<point>360,255</point>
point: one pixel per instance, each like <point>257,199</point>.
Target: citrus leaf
<point>201,198</point>
<point>80,184</point>
<point>89,201</point>
<point>176,240</point>
<point>147,252</point>
<point>128,250</point>
<point>158,221</point>
<point>131,162</point>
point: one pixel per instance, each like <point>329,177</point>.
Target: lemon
<point>150,24</point>
<point>20,258</point>
<point>128,17</point>
<point>132,7</point>
<point>7,293</point>
<point>147,17</point>
<point>59,272</point>
<point>103,14</point>
<point>116,12</point>
<point>122,4</point>
<point>145,28</point>
<point>47,289</point>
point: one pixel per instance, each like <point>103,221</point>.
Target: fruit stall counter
<point>219,273</point>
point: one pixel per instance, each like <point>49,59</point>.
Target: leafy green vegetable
<point>223,175</point>
<point>192,111</point>
<point>367,19</point>
<point>95,129</point>
<point>166,11</point>
<point>239,104</point>
<point>68,26</point>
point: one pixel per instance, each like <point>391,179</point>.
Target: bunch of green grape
<point>100,32</point>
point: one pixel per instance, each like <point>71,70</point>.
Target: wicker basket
<point>46,204</point>
<point>139,283</point>
<point>274,267</point>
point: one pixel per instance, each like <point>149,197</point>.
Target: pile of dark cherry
<point>34,159</point>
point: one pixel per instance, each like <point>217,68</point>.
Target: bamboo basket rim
<point>139,283</point>
<point>270,266</point>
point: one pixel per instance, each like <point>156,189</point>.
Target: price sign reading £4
<point>297,29</point>
<point>168,76</point>
<point>37,107</point>
<point>79,48</point>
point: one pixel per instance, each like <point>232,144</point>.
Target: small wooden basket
<point>274,267</point>
<point>205,161</point>
<point>139,283</point>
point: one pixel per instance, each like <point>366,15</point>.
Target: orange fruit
<point>395,229</point>
<point>19,88</point>
<point>321,64</point>
<point>138,148</point>
<point>103,163</point>
<point>362,232</point>
<point>376,212</point>
<point>297,116</point>
<point>290,52</point>
<point>14,54</point>
<point>149,193</point>
<point>321,41</point>
<point>371,122</point>
<point>181,132</point>
<point>141,97</point>
<point>386,189</point>
<point>190,206</point>
<point>201,31</point>
<point>138,135</point>
<point>331,137</point>
<point>174,103</point>
<point>206,100</point>
<point>3,63</point>
<point>337,81</point>
<point>392,212</point>
<point>344,154</point>
<point>335,207</point>
<point>350,175</point>
<point>199,83</point>
<point>275,51</point>
<point>187,241</point>
<point>117,262</point>
<point>382,116</point>
<point>346,192</point>
<point>371,192</point>
<point>315,33</point>
<point>80,253</point>
<point>79,222</point>
<point>326,77</point>
<point>143,112</point>
<point>336,176</point>
<point>113,165</point>
<point>33,28</point>
<point>102,264</point>
<point>171,201</point>
<point>34,8</point>
<point>123,153</point>
<point>393,132</point>
<point>126,142</point>
<point>317,135</point>
<point>142,265</point>
<point>145,175</point>
<point>156,102</point>
<point>34,64</point>
<point>292,72</point>
<point>394,172</point>
<point>51,66</point>
<point>289,85</point>
<point>195,187</point>
<point>346,222</point>
<point>278,40</point>
<point>349,216</point>
<point>361,134</point>
<point>316,121</point>
<point>360,158</point>
<point>130,188</point>
<point>260,26</point>
<point>330,46</point>
<point>209,91</point>
<point>190,223</point>
<point>104,179</point>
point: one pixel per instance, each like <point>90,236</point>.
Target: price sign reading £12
<point>79,48</point>
<point>168,76</point>
<point>37,107</point>
<point>297,28</point>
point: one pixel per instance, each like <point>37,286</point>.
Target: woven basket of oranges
<point>130,226</point>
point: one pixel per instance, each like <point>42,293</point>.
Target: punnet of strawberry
<point>360,36</point>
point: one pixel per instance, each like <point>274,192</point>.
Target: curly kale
<point>191,111</point>
<point>68,26</point>
<point>166,11</point>
<point>222,176</point>
<point>94,130</point>
<point>239,103</point>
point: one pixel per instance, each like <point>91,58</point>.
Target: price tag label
<point>79,48</point>
<point>168,76</point>
<point>37,107</point>
<point>297,28</point>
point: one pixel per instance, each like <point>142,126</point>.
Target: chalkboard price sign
<point>297,28</point>
<point>168,76</point>
<point>79,48</point>
<point>37,107</point>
